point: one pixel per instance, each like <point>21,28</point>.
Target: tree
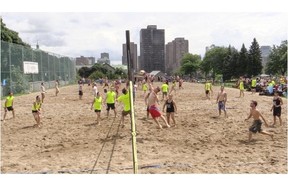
<point>190,63</point>
<point>254,65</point>
<point>242,61</point>
<point>277,63</point>
<point>230,64</point>
<point>10,36</point>
<point>213,61</point>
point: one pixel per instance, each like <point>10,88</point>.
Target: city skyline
<point>89,34</point>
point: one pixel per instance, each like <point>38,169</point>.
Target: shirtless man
<point>221,100</point>
<point>152,104</point>
<point>256,126</point>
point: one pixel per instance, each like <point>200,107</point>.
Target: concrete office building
<point>84,62</point>
<point>152,49</point>
<point>104,58</point>
<point>134,57</point>
<point>175,51</point>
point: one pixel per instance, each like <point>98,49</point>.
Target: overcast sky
<point>89,34</point>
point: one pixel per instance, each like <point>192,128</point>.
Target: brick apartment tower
<point>152,49</point>
<point>134,57</point>
<point>175,51</point>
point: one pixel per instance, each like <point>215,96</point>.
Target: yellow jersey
<point>144,87</point>
<point>125,100</point>
<point>110,97</point>
<point>9,101</point>
<point>97,103</point>
<point>36,106</point>
<point>207,86</point>
<point>165,87</point>
<point>253,83</point>
<point>241,86</point>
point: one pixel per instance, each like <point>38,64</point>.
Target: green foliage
<point>96,75</point>
<point>190,64</point>
<point>99,71</point>
<point>20,82</point>
<point>230,64</point>
<point>11,36</point>
<point>242,61</point>
<point>254,65</point>
<point>277,63</point>
<point>214,61</point>
<point>84,72</point>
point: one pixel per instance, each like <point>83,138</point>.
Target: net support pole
<point>133,127</point>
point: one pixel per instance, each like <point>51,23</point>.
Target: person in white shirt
<point>94,89</point>
<point>42,92</point>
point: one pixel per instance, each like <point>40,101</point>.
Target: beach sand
<point>69,141</point>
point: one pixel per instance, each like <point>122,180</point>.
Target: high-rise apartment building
<point>175,51</point>
<point>104,55</point>
<point>84,62</point>
<point>152,49</point>
<point>104,58</point>
<point>134,57</point>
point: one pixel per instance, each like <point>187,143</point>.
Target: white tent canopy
<point>264,75</point>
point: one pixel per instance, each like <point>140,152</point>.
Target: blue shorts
<point>221,105</point>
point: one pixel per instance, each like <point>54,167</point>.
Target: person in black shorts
<point>276,108</point>
<point>36,107</point>
<point>80,91</point>
<point>257,123</point>
<point>8,105</point>
<point>171,108</point>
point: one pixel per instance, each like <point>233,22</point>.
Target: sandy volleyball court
<point>70,142</point>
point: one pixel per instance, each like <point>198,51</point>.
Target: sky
<point>88,34</point>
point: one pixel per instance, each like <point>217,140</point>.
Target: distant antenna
<point>37,46</point>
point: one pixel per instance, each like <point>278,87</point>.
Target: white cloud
<point>76,34</point>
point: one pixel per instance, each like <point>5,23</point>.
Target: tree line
<point>98,71</point>
<point>231,63</point>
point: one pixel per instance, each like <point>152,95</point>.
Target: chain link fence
<point>51,67</point>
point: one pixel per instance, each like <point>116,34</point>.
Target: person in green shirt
<point>144,87</point>
<point>253,85</point>
<point>124,98</point>
<point>110,101</point>
<point>241,87</point>
<point>164,88</point>
<point>173,87</point>
<point>97,105</point>
<point>8,105</point>
<point>36,111</point>
<point>208,89</point>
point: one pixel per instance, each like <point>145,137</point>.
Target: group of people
<point>152,103</point>
<point>265,86</point>
<point>36,106</point>
<point>257,123</point>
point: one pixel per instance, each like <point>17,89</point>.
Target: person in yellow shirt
<point>8,105</point>
<point>110,101</point>
<point>282,80</point>
<point>97,105</point>
<point>144,87</point>
<point>208,89</point>
<point>173,87</point>
<point>253,85</point>
<point>164,88</point>
<point>36,111</point>
<point>241,87</point>
<point>124,98</point>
